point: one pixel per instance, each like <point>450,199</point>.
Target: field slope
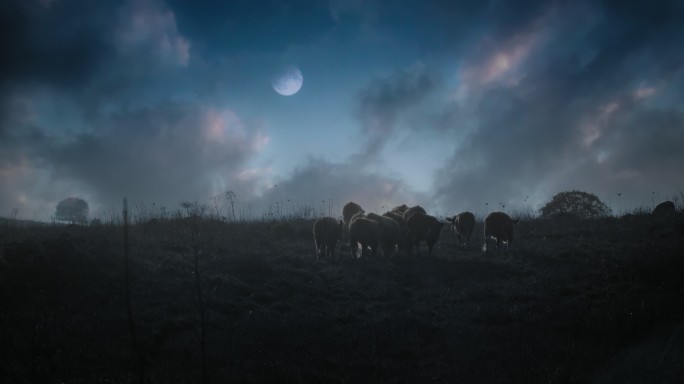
<point>573,302</point>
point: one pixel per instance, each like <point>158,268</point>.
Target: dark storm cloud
<point>63,43</point>
<point>383,102</point>
<point>91,52</point>
<point>555,117</point>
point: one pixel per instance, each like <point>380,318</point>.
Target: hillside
<point>572,302</point>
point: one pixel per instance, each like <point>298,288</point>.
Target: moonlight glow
<point>288,82</point>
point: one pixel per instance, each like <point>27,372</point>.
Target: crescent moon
<point>288,82</point>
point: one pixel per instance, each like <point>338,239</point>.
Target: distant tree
<point>577,204</point>
<point>73,210</point>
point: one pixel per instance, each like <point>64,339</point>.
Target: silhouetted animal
<point>423,227</point>
<point>356,216</point>
<point>390,234</point>
<point>365,232</point>
<point>349,210</point>
<point>396,217</point>
<point>463,225</point>
<point>327,232</point>
<point>409,212</point>
<point>400,209</point>
<point>499,226</point>
<point>404,242</point>
<point>666,208</point>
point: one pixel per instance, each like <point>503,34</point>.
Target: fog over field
<point>449,104</point>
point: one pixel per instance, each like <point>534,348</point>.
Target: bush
<point>73,210</point>
<point>581,205</point>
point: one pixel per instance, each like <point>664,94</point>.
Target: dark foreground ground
<point>573,302</point>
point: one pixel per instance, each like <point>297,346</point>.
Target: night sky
<point>448,104</point>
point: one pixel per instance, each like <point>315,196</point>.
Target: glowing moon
<point>288,81</point>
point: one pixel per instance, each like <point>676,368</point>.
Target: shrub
<point>582,205</point>
<point>73,210</point>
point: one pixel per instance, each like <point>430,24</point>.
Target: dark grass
<point>572,302</point>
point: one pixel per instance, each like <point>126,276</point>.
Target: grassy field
<point>598,301</point>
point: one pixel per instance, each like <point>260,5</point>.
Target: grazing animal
<point>356,216</point>
<point>400,209</point>
<point>463,225</point>
<point>409,212</point>
<point>396,217</point>
<point>365,232</point>
<point>327,232</point>
<point>404,242</point>
<point>666,208</point>
<point>349,210</point>
<point>390,234</point>
<point>423,227</point>
<point>499,226</point>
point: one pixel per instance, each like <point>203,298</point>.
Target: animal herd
<point>402,230</point>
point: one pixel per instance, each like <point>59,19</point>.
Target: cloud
<point>103,54</point>
<point>147,26</point>
<point>384,107</point>
<point>171,150</point>
<point>337,184</point>
<point>99,99</point>
<point>61,43</point>
<point>596,124</point>
<point>383,102</point>
<point>163,153</point>
<point>501,63</point>
<point>644,148</point>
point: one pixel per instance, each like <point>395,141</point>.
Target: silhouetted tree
<point>72,209</point>
<point>577,204</point>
